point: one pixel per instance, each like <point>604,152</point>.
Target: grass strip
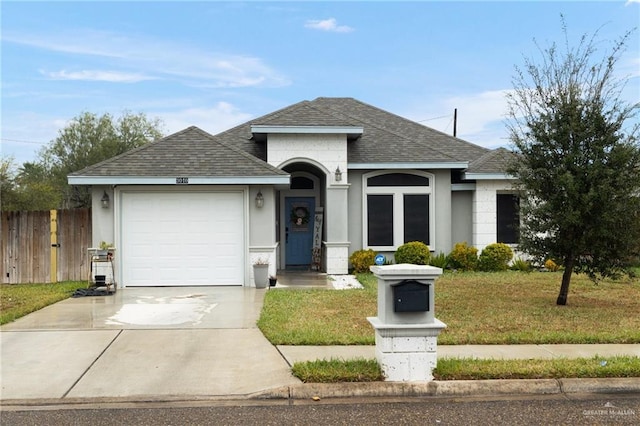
<point>478,369</point>
<point>337,370</point>
<point>18,300</point>
<point>363,370</point>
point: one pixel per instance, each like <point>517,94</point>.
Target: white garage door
<point>182,239</point>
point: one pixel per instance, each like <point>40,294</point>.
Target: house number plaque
<point>182,181</point>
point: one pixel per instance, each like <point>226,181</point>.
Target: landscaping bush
<point>495,257</point>
<point>440,260</point>
<point>362,259</point>
<point>463,257</point>
<point>552,266</point>
<point>521,265</point>
<point>414,252</point>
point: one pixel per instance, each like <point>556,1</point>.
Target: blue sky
<point>219,64</point>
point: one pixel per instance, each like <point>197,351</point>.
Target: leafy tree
<point>577,159</point>
<point>7,183</point>
<point>89,139</point>
<point>26,188</point>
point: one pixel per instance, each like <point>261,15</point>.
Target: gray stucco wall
<point>442,205</point>
<point>262,231</point>
<point>462,214</point>
<point>102,220</point>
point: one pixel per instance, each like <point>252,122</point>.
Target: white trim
<point>336,243</point>
<point>488,176</point>
<point>426,165</point>
<point>463,186</point>
<point>139,180</point>
<point>340,130</point>
<point>398,207</point>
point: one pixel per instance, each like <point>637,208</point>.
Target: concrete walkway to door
<point>160,342</point>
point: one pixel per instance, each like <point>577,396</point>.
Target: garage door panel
<point>183,238</point>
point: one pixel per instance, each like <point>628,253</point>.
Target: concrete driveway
<point>161,342</point>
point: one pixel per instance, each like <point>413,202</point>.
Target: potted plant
<point>105,251</point>
<point>272,280</point>
<point>261,272</point>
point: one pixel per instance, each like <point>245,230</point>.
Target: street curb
<point>308,391</point>
<point>450,388</point>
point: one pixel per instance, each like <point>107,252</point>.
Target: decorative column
<point>406,328</point>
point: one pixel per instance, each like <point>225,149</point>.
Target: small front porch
<point>294,280</point>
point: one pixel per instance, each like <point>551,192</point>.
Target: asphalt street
<point>617,409</point>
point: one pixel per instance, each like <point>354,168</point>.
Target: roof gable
<point>190,152</point>
<point>491,165</point>
<point>386,138</point>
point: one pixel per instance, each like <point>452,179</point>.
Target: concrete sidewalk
<point>201,343</point>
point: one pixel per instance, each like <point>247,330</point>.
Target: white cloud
<point>216,119</point>
<point>330,25</point>
<point>153,59</point>
<point>96,75</point>
<point>631,1</point>
<point>85,43</point>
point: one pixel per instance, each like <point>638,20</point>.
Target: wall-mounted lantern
<point>105,200</point>
<point>338,174</point>
<point>259,200</point>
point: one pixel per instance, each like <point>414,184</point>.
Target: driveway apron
<point>178,341</point>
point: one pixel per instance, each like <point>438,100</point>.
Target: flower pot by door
<point>261,275</point>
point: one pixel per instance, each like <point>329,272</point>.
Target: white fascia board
<point>463,186</point>
<point>340,130</point>
<point>436,165</point>
<point>488,176</point>
<point>133,180</point>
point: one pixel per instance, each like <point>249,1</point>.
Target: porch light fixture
<point>105,200</point>
<point>259,200</point>
<point>338,174</point>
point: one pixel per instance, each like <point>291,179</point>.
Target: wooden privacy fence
<point>34,245</point>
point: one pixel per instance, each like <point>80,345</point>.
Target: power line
<point>434,118</point>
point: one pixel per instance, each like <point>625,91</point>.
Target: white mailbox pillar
<point>406,328</point>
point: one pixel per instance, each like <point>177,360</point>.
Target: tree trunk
<point>566,280</point>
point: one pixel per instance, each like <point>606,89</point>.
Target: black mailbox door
<point>410,296</point>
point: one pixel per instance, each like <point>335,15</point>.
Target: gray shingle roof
<point>394,138</point>
<point>190,152</point>
<point>495,161</point>
<point>386,138</point>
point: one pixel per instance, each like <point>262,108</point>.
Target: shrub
<point>414,252</point>
<point>495,257</point>
<point>362,259</point>
<point>550,265</point>
<point>440,260</point>
<point>521,265</point>
<point>463,257</point>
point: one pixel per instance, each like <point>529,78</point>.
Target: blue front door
<point>299,216</point>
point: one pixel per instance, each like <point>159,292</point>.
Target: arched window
<point>397,209</point>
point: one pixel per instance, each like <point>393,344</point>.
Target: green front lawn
<point>17,300</point>
<point>478,308</point>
